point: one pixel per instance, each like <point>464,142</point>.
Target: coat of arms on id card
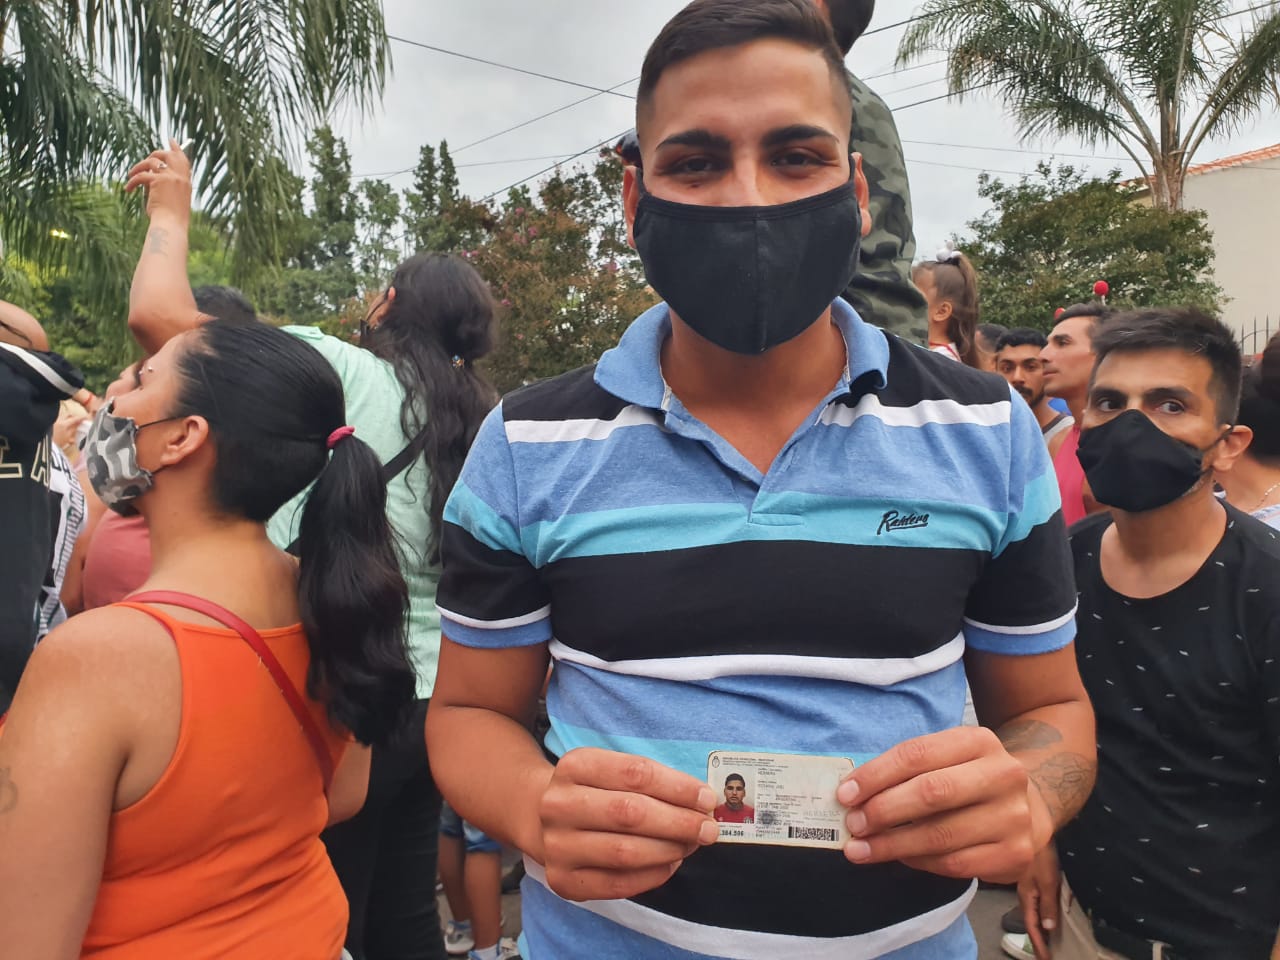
<point>777,798</point>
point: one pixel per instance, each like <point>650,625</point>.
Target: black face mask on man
<point>1134,466</point>
<point>750,278</point>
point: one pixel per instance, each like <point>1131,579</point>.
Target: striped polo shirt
<point>692,603</point>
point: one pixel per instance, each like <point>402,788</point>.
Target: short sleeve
<point>1025,601</point>
<point>351,362</point>
<point>490,594</point>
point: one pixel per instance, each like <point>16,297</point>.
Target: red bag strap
<point>251,636</point>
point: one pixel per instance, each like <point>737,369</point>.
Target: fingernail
<point>1049,924</point>
<point>706,799</point>
<point>857,850</point>
<point>857,821</point>
<point>709,832</point>
<point>847,792</point>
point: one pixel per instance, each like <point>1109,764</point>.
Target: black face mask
<point>1134,466</point>
<point>750,278</point>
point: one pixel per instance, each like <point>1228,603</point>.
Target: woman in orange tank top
<point>170,761</point>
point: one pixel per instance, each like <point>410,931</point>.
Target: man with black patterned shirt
<point>1177,852</point>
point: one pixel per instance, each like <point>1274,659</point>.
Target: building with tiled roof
<point>1241,195</point>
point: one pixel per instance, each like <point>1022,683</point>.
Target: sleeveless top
<point>1070,478</point>
<point>118,560</point>
<point>222,857</point>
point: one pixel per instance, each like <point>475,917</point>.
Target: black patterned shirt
<point>1180,841</point>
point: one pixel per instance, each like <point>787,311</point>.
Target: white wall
<point>1243,204</point>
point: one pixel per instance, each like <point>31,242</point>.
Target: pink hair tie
<point>338,435</point>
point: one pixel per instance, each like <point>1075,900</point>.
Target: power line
<point>595,146</point>
<point>506,66</point>
<point>1042,153</point>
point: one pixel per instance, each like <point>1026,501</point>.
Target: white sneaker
<point>1017,945</point>
<point>508,949</point>
<point>458,940</point>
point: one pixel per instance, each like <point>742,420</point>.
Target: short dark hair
<point>849,20</point>
<point>1022,337</point>
<point>1187,329</point>
<point>735,776</point>
<point>1098,311</point>
<point>991,332</point>
<point>1260,403</point>
<point>224,303</point>
<point>706,25</point>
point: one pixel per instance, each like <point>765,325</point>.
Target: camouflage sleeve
<point>882,292</point>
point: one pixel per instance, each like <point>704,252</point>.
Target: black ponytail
<point>272,402</point>
<point>441,321</point>
<point>352,597</point>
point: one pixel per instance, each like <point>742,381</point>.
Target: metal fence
<point>1253,339</point>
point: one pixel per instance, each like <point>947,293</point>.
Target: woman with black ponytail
<point>171,760</point>
<point>415,397</point>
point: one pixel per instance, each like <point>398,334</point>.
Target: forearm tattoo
<point>8,791</point>
<point>1022,735</point>
<point>1064,781</point>
<point>158,241</point>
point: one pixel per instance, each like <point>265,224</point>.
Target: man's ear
<point>1226,453</point>
<point>630,200</point>
<point>863,192</point>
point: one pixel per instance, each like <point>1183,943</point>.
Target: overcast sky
<point>432,96</point>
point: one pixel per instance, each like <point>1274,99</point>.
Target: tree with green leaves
<point>1048,238</point>
<point>434,216</point>
<point>87,87</point>
<point>378,248</point>
<point>1156,78</point>
<point>559,264</point>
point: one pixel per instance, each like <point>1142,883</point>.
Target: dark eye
<point>693,166</point>
<point>1171,406</point>
<point>1105,404</point>
<point>795,158</point>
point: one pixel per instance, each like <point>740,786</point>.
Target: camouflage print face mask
<point>111,460</point>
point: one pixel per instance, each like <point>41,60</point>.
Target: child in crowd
<point>471,871</point>
<point>950,286</point>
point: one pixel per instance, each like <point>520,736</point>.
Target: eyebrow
<point>797,131</point>
<point>698,137</point>
<point>701,137</point>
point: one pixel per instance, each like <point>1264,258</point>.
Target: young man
<point>1018,360</point>
<point>1179,645</point>
<point>1067,365</point>
<point>735,808</point>
<point>715,531</point>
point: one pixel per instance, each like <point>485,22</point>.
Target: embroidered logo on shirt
<point>893,520</point>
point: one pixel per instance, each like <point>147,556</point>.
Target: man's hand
<point>166,176</point>
<point>953,803</point>
<point>616,825</point>
<point>1038,893</point>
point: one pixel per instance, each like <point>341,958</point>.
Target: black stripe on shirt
<point>762,597</point>
<point>486,584</point>
<point>1040,564</point>
<point>797,891</point>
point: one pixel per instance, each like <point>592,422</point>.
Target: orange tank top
<point>222,857</point>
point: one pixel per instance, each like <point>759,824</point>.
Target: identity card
<point>777,798</point>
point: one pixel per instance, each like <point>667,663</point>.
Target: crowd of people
<point>292,627</point>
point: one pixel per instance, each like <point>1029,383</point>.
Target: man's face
<point>1024,370</point>
<point>1068,359</point>
<point>735,792</point>
<point>1172,388</point>
<point>755,125</point>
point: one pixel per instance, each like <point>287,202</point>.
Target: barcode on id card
<point>811,833</point>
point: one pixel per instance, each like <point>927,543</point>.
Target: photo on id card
<point>777,798</point>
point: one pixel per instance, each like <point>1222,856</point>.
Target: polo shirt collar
<point>632,371</point>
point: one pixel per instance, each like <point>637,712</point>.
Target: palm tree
<point>89,86</point>
<point>1156,78</point>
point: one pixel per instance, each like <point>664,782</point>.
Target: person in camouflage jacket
<point>882,291</point>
